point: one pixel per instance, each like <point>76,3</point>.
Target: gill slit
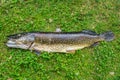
<point>30,45</point>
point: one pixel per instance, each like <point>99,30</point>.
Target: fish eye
<point>17,36</point>
<point>12,37</point>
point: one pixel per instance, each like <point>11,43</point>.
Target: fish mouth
<point>13,44</point>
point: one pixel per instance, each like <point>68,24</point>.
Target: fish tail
<point>108,36</point>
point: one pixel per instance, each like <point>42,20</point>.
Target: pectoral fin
<point>37,52</point>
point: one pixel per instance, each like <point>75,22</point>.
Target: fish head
<point>21,40</point>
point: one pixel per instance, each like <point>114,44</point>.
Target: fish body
<point>65,42</point>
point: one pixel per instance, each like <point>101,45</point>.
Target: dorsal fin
<point>58,30</point>
<point>89,32</point>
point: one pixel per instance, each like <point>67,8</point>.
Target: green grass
<point>99,63</point>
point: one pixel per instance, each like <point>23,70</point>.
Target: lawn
<point>98,63</point>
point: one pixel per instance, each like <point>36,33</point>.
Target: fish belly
<point>56,47</point>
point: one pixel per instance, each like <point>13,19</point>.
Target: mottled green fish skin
<point>63,42</point>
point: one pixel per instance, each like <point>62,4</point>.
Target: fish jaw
<point>13,44</point>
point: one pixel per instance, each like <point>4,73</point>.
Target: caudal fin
<point>108,36</point>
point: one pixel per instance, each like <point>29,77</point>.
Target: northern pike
<point>65,42</point>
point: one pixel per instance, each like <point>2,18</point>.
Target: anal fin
<point>95,44</point>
